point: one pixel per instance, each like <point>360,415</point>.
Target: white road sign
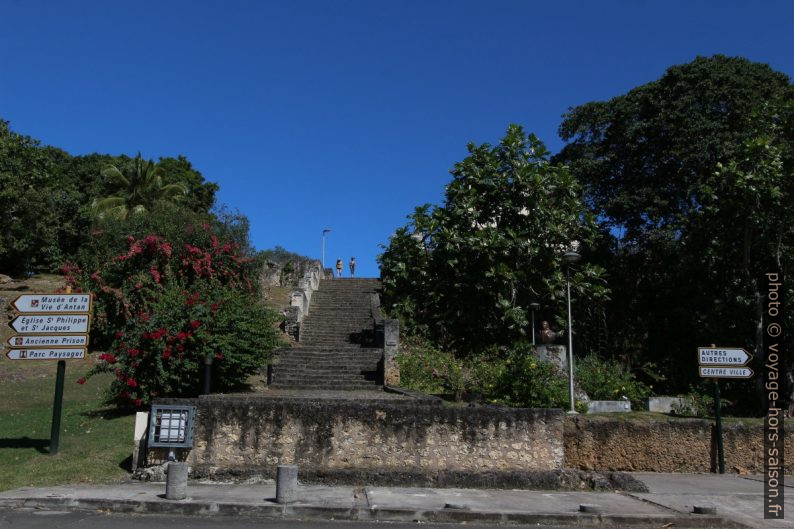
<point>723,356</point>
<point>75,340</point>
<point>45,324</point>
<point>41,303</point>
<point>46,354</point>
<point>726,372</point>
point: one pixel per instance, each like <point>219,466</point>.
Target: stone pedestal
<point>391,346</point>
<point>556,354</point>
<point>609,406</point>
<point>665,404</point>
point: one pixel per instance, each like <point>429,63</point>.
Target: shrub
<point>697,403</point>
<point>529,382</point>
<point>162,308</point>
<point>609,380</point>
<point>430,370</point>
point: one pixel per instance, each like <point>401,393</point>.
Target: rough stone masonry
<point>258,432</point>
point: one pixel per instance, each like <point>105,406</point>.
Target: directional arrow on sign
<point>725,372</point>
<point>53,303</point>
<point>50,324</point>
<point>723,356</point>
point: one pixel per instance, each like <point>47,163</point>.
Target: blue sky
<point>345,114</point>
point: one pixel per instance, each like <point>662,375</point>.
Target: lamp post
<point>533,307</point>
<point>325,230</point>
<point>570,258</point>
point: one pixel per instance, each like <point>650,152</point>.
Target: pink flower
<point>138,402</point>
<point>132,383</point>
<point>166,353</point>
<point>218,355</point>
<point>195,324</point>
<point>81,380</point>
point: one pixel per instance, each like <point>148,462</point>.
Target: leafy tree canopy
<point>467,271</point>
<point>46,194</point>
<point>693,172</point>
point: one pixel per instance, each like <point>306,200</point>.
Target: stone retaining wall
<point>681,445</point>
<point>255,432</point>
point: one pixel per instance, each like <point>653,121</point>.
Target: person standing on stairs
<point>352,265</point>
<point>339,268</point>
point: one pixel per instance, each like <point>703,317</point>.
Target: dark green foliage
<point>30,200</point>
<point>135,188</point>
<point>201,194</point>
<point>529,382</point>
<point>609,380</point>
<point>45,197</point>
<point>693,174</point>
<point>464,273</point>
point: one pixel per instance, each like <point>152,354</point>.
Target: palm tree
<point>137,188</point>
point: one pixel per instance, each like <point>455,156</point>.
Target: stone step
<point>336,321</point>
<point>346,355</point>
<point>301,363</point>
<point>304,378</point>
<point>307,362</point>
<point>327,387</point>
<point>329,349</point>
<point>304,370</point>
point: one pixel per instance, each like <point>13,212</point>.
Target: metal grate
<point>171,426</point>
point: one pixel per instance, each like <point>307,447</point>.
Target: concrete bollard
<point>176,481</point>
<point>286,483</point>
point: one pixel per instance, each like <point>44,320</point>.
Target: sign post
<point>51,327</point>
<point>57,406</point>
<point>722,362</point>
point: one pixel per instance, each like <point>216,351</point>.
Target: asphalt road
<point>86,520</point>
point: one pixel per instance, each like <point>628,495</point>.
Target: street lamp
<point>325,230</point>
<point>533,307</point>
<point>570,258</point>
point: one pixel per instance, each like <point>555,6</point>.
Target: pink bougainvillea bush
<point>165,306</point>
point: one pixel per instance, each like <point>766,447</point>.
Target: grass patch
<point>95,442</point>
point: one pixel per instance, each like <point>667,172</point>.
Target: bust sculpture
<point>547,336</point>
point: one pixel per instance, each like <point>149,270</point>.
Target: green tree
<point>200,195</point>
<point>32,201</point>
<point>692,175</point>
<point>136,189</point>
<point>465,272</point>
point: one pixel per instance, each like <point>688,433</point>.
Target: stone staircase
<point>336,347</point>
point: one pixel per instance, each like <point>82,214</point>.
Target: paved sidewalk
<point>670,500</point>
<point>739,498</point>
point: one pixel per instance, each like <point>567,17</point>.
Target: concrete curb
<point>321,512</point>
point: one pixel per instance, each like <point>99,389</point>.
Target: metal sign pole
<point>718,420</point>
<point>57,405</point>
<point>718,410</point>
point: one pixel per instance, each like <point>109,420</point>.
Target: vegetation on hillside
<point>680,193</point>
